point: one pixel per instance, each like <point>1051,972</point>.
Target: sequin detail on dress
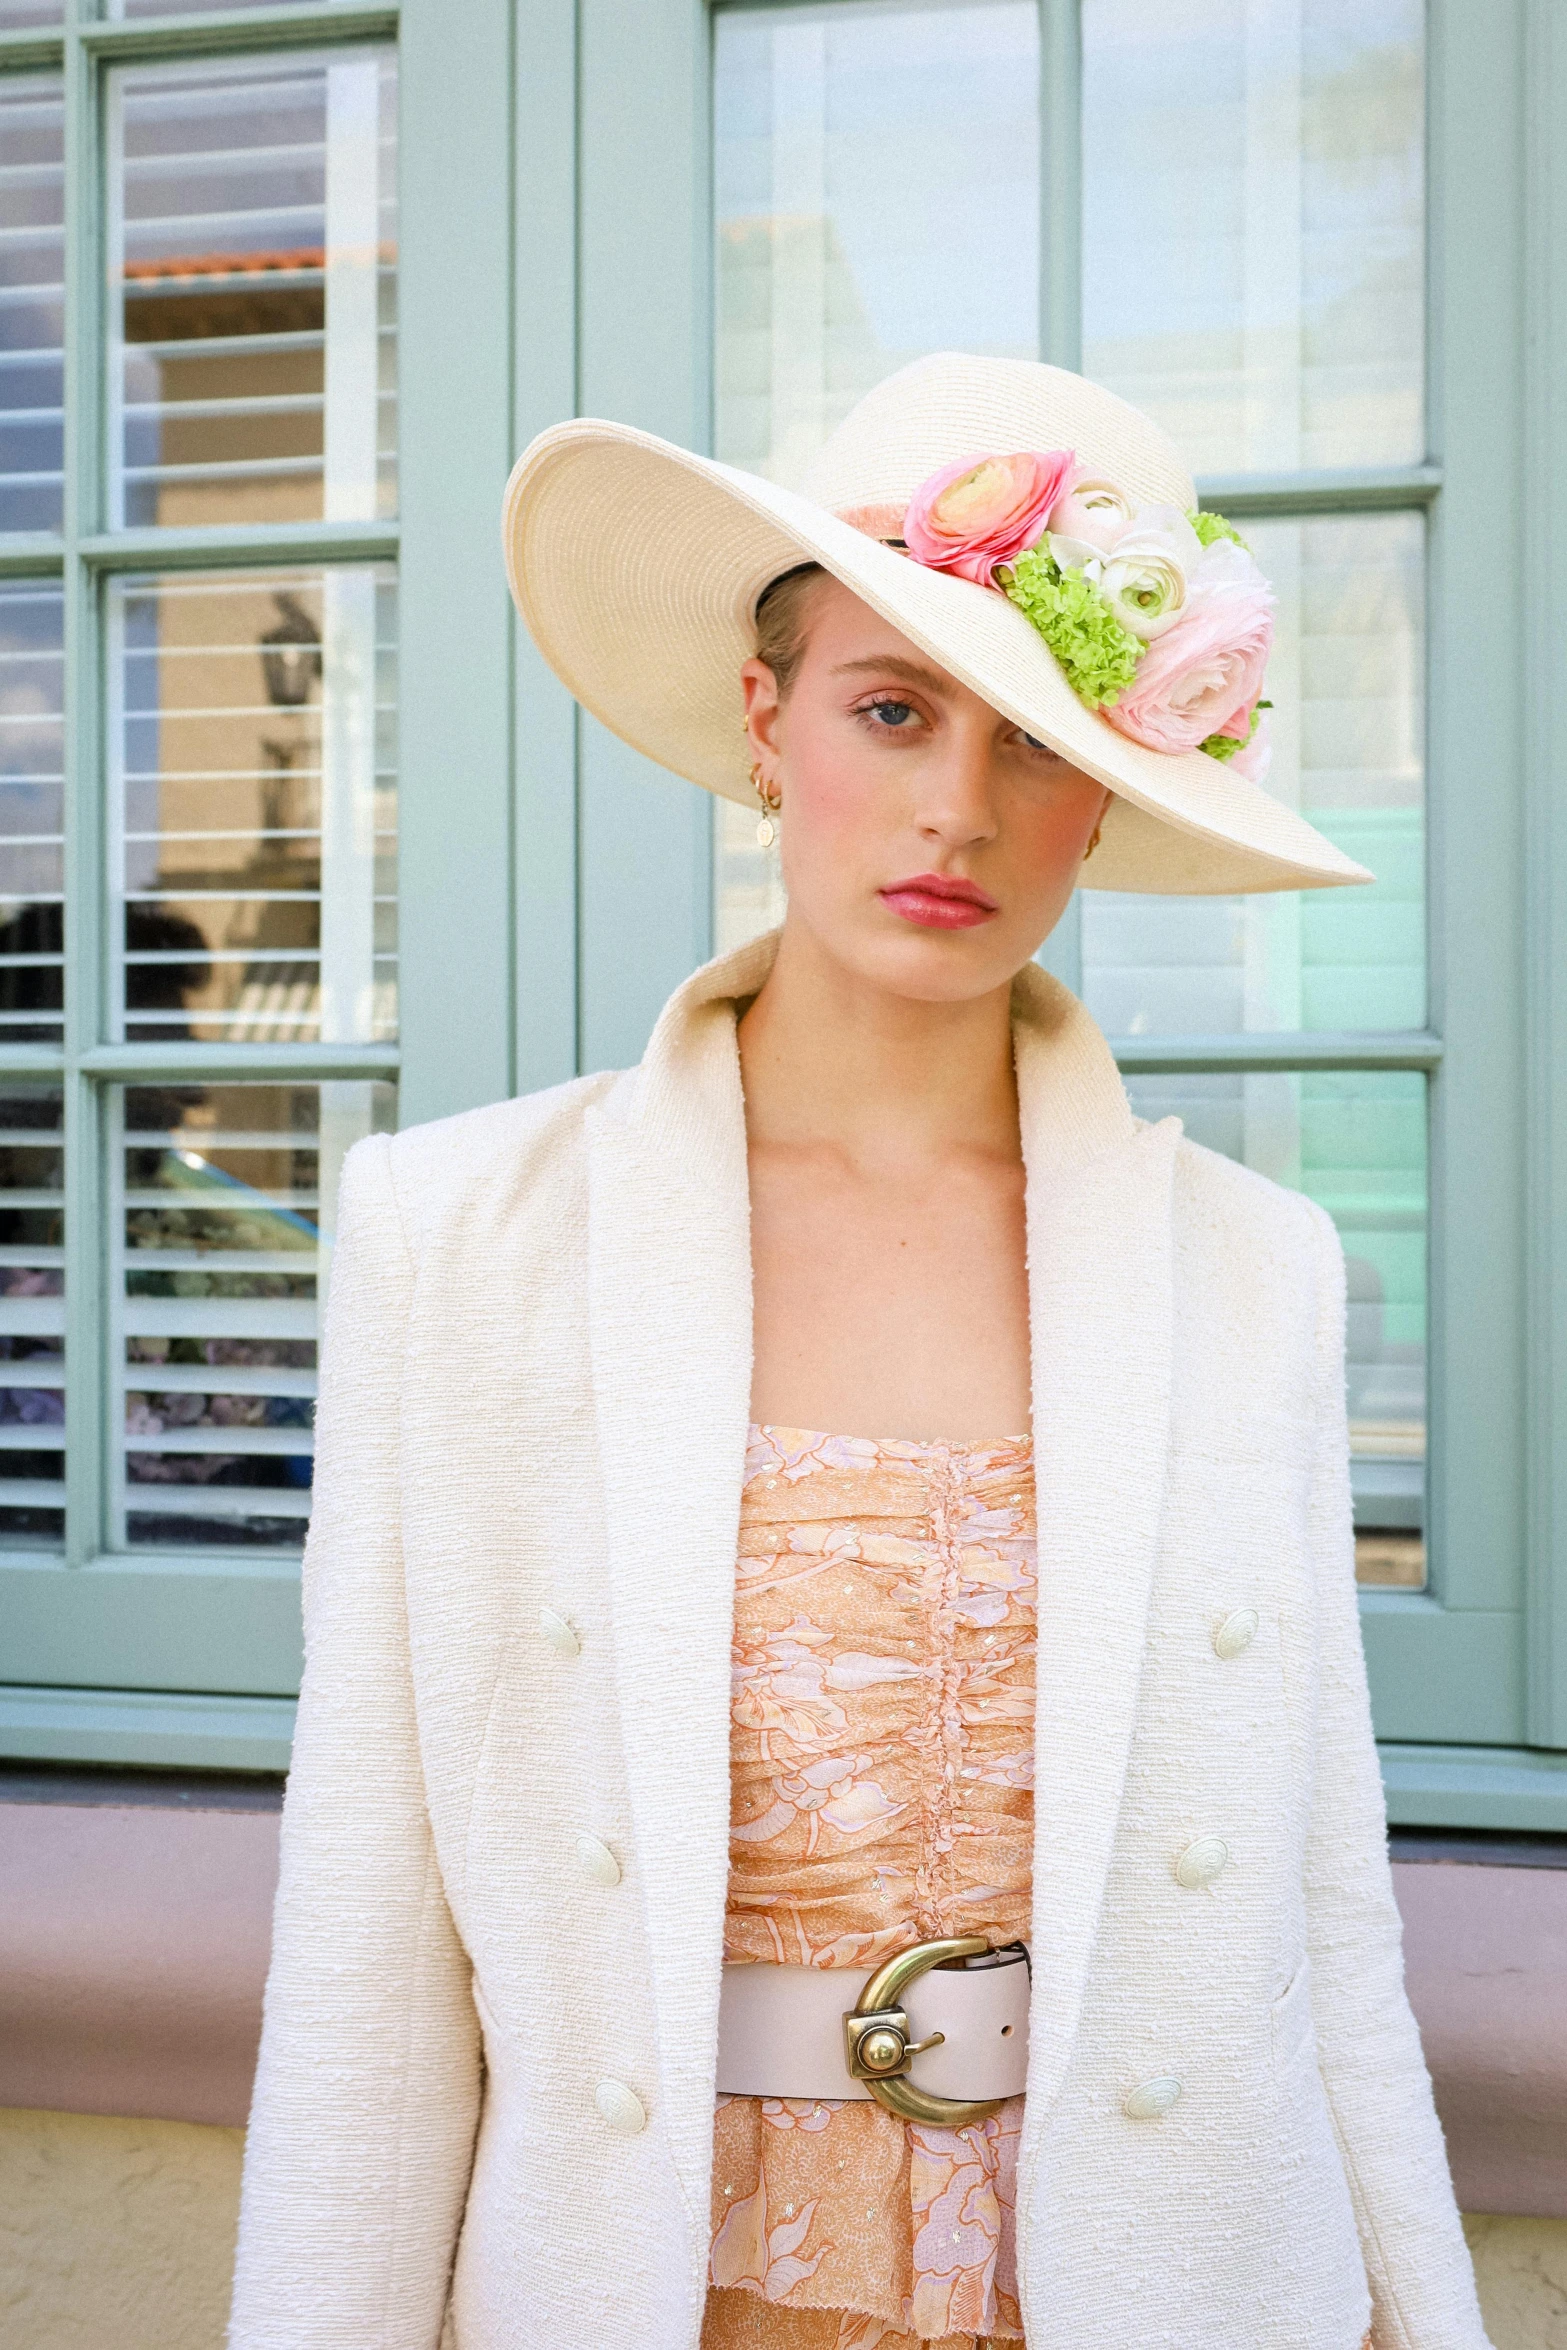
<point>881,1745</point>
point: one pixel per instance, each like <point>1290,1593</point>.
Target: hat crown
<point>952,405</point>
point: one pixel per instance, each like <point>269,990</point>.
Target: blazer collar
<point>670,1317</point>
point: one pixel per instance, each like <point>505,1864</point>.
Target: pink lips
<point>940,901</point>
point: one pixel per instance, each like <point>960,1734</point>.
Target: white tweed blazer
<point>536,1394</point>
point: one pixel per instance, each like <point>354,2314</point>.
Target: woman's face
<point>929,843</point>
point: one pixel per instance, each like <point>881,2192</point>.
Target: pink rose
<point>1254,759</point>
<point>1204,675</point>
<point>984,510</point>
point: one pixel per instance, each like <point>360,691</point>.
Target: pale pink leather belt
<point>955,2008</point>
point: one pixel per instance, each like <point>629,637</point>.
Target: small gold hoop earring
<point>1093,840</point>
<point>770,800</point>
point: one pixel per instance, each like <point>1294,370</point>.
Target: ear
<point>762,709</point>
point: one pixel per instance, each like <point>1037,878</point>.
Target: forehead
<point>844,636</point>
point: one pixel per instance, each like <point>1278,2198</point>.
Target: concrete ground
<point>118,2235</point>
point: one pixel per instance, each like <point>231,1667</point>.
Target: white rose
<point>1147,571</point>
<point>1076,554</point>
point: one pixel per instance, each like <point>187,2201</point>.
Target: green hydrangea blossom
<point>1099,656</point>
<point>1225,746</point>
<point>1213,526</point>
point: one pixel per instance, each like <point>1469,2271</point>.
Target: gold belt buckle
<point>877,2047</point>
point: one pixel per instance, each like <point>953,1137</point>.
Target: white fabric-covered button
<point>1235,1633</point>
<point>561,1636</point>
<point>598,1860</point>
<point>1151,2098</point>
<point>1201,1862</point>
<point>621,2107</point>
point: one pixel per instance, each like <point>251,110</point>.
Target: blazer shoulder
<point>433,1168</point>
<point>1251,1222</point>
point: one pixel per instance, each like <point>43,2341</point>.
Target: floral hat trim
<point>1160,619</point>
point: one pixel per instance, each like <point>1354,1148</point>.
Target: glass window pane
<point>32,701</point>
<point>254,791</point>
<point>17,15</point>
<point>1347,682</point>
<point>253,324</point>
<point>32,297</point>
<point>1354,1141</point>
<point>877,197</point>
<point>1253,225</point>
<point>32,1318</point>
<point>222,1234</point>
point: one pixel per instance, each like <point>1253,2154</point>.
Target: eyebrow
<point>912,672</point>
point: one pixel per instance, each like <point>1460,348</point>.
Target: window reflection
<point>877,197</point>
<point>32,1317</point>
<point>255,309</point>
<point>1254,225</point>
<point>32,296</point>
<point>255,792</point>
<point>1347,680</point>
<point>224,1227</point>
<point>32,726</point>
<point>1354,1141</point>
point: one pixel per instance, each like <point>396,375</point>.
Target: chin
<point>939,966</point>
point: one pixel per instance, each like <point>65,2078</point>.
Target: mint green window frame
<point>533,287</point>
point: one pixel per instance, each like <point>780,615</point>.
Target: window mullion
<point>1060,183</point>
<point>1061,296</point>
<point>83,861</point>
<point>1545,884</point>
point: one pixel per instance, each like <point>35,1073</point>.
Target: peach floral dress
<point>882,1758</point>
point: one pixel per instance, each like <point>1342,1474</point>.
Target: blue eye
<point>893,714</point>
<point>1034,743</point>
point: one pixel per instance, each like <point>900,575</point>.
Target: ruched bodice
<point>882,1777</point>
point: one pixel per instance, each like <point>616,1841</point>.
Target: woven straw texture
<point>637,567</point>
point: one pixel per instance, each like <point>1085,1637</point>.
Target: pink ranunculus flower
<point>1253,759</point>
<point>983,511</point>
<point>1203,676</point>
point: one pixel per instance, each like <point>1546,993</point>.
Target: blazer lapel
<point>1100,1300</point>
<point>669,1276</point>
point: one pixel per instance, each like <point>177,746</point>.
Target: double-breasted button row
<point>617,2103</point>
<point>1197,1866</point>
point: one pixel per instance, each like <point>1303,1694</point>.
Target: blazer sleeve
<point>1378,2089</point>
<point>366,2098</point>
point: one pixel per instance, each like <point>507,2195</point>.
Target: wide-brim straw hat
<point>637,567</point>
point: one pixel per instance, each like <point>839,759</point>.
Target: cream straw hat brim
<point>637,567</point>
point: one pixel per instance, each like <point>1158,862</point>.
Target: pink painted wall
<point>133,1951</point>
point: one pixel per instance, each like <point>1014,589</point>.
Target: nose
<point>956,787</point>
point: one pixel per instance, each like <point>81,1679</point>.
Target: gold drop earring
<point>1093,841</point>
<point>771,800</point>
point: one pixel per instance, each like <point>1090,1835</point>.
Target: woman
<point>744,1479</point>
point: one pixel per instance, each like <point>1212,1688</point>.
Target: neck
<point>827,1056</point>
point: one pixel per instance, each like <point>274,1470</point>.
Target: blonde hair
<point>781,611</point>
